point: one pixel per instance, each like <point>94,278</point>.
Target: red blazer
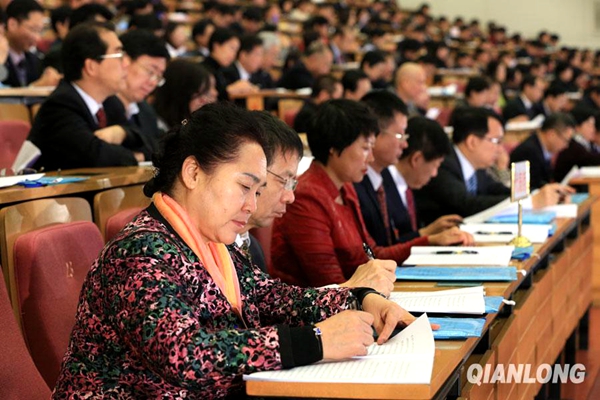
<point>318,241</point>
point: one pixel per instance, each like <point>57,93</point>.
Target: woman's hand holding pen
<point>441,224</point>
<point>377,274</point>
<point>346,334</point>
<point>551,194</point>
<point>452,236</point>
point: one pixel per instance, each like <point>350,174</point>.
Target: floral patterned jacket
<point>151,323</point>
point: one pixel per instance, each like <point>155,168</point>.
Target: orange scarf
<point>214,256</point>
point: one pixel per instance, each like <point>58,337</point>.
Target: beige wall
<point>573,20</point>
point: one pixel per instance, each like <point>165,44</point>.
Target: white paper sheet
<point>503,233</point>
<point>436,255</point>
<point>455,301</point>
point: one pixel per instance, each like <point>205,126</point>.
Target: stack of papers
<point>504,233</point>
<point>454,301</point>
<point>589,172</point>
<point>476,274</point>
<point>407,358</point>
<point>452,255</point>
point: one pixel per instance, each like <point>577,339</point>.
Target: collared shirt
<point>132,109</point>
<point>375,178</point>
<point>89,101</point>
<point>528,104</point>
<point>547,154</point>
<point>244,75</point>
<point>400,182</point>
<point>467,168</point>
<point>16,59</point>
<point>582,141</point>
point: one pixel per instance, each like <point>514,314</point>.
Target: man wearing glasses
<point>72,128</point>
<point>24,26</point>
<point>553,137</point>
<point>378,205</point>
<point>148,56</point>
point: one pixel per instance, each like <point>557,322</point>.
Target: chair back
<point>12,136</point>
<point>19,378</point>
<point>47,247</point>
<point>114,208</point>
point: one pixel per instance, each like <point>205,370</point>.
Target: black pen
<point>368,251</point>
<point>493,233</point>
<point>456,252</point>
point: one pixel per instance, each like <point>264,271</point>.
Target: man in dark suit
<point>325,88</point>
<point>428,144</point>
<point>541,146</point>
<point>462,185</point>
<point>555,99</point>
<point>279,193</point>
<point>248,64</point>
<point>316,61</point>
<point>526,106</point>
<point>149,57</point>
<point>382,211</point>
<point>72,128</point>
<point>24,26</point>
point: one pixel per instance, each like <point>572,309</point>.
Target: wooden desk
<point>22,93</point>
<point>99,179</point>
<point>256,101</point>
<point>21,103</point>
<point>551,300</point>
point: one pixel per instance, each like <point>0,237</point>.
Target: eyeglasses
<point>494,140</point>
<point>399,136</point>
<point>153,76</point>
<point>120,55</point>
<point>288,183</point>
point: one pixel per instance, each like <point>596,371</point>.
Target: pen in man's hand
<point>455,252</point>
<point>368,251</point>
<point>493,233</point>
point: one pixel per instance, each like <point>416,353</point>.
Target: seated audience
<point>188,86</point>
<point>73,128</point>
<point>24,26</point>
<point>525,106</point>
<point>378,204</point>
<point>316,61</point>
<point>201,33</point>
<point>555,99</point>
<point>325,88</point>
<point>175,39</point>
<point>541,146</point>
<point>168,310</point>
<point>249,61</point>
<point>356,84</point>
<point>477,93</point>
<point>410,86</point>
<point>320,239</point>
<point>373,65</point>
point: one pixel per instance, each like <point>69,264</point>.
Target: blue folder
<point>578,198</point>
<point>492,303</point>
<point>480,274</point>
<point>529,217</point>
<point>457,328</point>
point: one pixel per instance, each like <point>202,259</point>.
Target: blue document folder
<point>457,328</point>
<point>492,303</point>
<point>529,217</point>
<point>578,198</point>
<point>480,274</point>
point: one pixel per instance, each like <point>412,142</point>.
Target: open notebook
<point>468,300</point>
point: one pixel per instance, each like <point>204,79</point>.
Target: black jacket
<point>32,66</point>
<point>516,107</point>
<point>297,77</point>
<point>540,170</point>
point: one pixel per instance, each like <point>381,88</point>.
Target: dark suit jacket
<point>297,77</point>
<point>516,107</point>
<point>143,124</point>
<point>305,116</point>
<point>574,155</point>
<point>219,73</point>
<point>32,66</point>
<point>540,171</point>
<point>447,193</point>
<point>64,131</point>
<point>399,217</point>
<point>371,211</point>
<point>257,254</point>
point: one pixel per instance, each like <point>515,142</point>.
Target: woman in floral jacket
<point>168,311</point>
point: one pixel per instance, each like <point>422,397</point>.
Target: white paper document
<point>504,233</point>
<point>453,255</point>
<point>468,300</point>
<point>406,358</point>
<point>589,172</point>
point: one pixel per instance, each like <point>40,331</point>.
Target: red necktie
<point>410,205</point>
<point>101,116</point>
<point>384,213</point>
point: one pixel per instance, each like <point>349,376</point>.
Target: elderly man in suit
<point>75,127</point>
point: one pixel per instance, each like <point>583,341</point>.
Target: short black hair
<point>528,80</point>
<point>200,27</point>
<point>384,105</point>
<point>87,13</point>
<point>224,9</point>
<point>582,113</point>
<point>337,124</point>
<point>558,121</point>
<point>476,84</point>
<point>60,14</point>
<point>148,22</point>
<point>213,135</point>
<point>81,43</point>
<point>324,83</point>
<point>249,43</point>
<point>468,121</point>
<point>20,9</point>
<point>253,14</point>
<point>140,42</point>
<point>280,137</point>
<point>351,78</point>
<point>372,58</point>
<point>555,89</point>
<point>220,36</point>
<point>428,137</point>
